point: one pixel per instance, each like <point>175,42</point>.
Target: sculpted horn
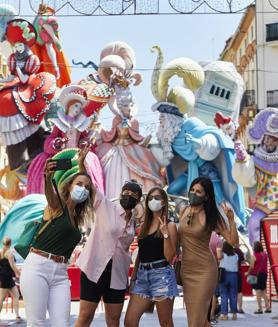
<point>156,73</point>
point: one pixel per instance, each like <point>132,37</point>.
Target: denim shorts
<point>156,284</point>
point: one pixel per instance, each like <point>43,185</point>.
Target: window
<point>272,98</point>
<point>248,99</point>
<point>212,89</point>
<point>252,32</point>
<point>220,92</point>
<point>271,32</point>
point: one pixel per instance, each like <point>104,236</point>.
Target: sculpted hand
<point>240,151</point>
<point>190,139</point>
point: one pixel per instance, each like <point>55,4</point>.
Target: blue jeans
<point>156,284</point>
<point>228,291</point>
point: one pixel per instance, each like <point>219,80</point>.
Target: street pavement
<point>249,319</point>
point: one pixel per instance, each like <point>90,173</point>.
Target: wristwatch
<point>165,236</point>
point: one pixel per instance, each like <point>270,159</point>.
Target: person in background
<point>258,267</point>
<point>241,259</point>
<point>155,279</point>
<point>228,286</point>
<point>198,268</point>
<point>8,270</point>
<point>105,259</point>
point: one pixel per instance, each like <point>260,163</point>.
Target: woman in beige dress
<point>199,270</point>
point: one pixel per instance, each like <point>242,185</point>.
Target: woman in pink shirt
<point>105,259</point>
<point>258,267</point>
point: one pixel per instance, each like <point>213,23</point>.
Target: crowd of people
<point>105,259</point>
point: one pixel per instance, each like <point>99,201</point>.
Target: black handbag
<point>177,268</point>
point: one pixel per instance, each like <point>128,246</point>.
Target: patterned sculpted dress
<point>198,270</point>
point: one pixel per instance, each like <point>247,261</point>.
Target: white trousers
<point>45,287</point>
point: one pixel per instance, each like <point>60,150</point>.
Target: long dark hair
<point>258,247</point>
<point>149,214</point>
<point>213,216</point>
<point>84,209</point>
<point>228,249</point>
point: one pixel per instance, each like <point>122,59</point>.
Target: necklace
<point>191,214</point>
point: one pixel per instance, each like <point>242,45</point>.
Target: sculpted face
<point>19,47</point>
<point>126,110</point>
<point>74,109</point>
<point>270,144</point>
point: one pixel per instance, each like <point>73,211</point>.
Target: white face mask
<point>155,205</point>
<point>79,194</point>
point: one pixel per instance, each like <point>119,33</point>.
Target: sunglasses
<point>156,197</point>
<point>130,193</point>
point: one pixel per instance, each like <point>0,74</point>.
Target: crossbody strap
<point>50,220</point>
<point>57,192</point>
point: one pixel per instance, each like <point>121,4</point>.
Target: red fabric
<point>220,119</point>
<point>31,66</point>
<point>16,97</point>
<point>260,264</point>
<point>46,64</point>
<point>14,33</point>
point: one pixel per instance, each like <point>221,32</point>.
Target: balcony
<point>272,98</point>
<point>248,99</point>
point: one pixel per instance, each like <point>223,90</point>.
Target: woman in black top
<point>8,271</point>
<point>155,278</point>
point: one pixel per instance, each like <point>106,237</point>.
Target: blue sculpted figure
<point>201,150</point>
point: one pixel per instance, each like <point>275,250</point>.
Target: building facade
<point>241,50</point>
<point>267,53</point>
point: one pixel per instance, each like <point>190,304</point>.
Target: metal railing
<point>272,295</point>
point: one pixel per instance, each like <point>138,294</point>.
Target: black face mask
<point>128,202</point>
<point>196,200</point>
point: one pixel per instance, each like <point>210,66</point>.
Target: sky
<point>199,37</point>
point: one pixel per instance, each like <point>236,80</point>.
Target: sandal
<point>240,311</point>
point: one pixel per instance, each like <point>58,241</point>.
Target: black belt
<point>149,266</point>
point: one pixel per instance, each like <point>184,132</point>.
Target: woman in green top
<point>44,280</point>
